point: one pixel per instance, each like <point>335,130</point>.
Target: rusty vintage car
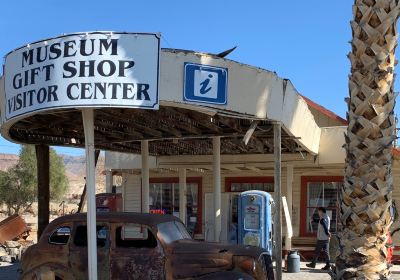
<point>139,246</point>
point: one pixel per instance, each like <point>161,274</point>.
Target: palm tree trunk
<point>366,197</point>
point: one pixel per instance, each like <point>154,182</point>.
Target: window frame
<point>304,196</point>
<point>84,224</point>
<point>250,179</point>
<point>196,180</point>
<point>55,230</point>
<point>114,236</point>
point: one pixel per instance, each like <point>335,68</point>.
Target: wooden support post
<point>289,197</point>
<point>145,177</point>
<point>278,201</point>
<point>217,187</point>
<point>43,177</point>
<point>83,196</point>
<point>182,195</point>
<point>109,181</point>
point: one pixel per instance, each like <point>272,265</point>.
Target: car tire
<point>269,268</point>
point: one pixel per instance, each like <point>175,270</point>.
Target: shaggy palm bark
<point>367,193</point>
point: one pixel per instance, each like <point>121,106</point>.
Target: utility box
<point>255,219</point>
<point>109,202</point>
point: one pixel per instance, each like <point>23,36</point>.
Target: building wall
<point>132,192</point>
<point>322,120</point>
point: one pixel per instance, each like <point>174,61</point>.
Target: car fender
<point>48,271</point>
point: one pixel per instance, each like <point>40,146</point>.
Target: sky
<point>304,41</point>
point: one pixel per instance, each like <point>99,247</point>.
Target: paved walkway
<point>10,272</point>
<point>318,274</point>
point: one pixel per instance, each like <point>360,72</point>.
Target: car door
<point>79,252</point>
<point>136,253</point>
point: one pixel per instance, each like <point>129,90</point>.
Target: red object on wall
<point>157,211</point>
<point>390,248</point>
<point>109,202</point>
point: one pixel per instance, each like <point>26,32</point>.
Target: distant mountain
<point>74,169</point>
<point>7,160</point>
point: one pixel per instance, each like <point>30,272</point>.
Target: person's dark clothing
<point>322,246</point>
<point>322,240</point>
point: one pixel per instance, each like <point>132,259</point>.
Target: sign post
<point>88,120</point>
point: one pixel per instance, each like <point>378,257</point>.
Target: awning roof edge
<point>253,93</point>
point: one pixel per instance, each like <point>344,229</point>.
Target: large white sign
<point>98,69</point>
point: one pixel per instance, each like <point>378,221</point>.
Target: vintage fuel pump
<point>255,219</point>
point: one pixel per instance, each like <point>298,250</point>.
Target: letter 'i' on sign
<point>205,84</point>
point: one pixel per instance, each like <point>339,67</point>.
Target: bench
<point>303,244</point>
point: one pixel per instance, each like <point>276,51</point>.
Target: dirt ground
<point>10,272</point>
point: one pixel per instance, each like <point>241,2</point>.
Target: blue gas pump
<point>255,219</point>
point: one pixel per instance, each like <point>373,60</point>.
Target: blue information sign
<point>205,84</point>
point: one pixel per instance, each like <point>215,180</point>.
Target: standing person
<point>323,236</point>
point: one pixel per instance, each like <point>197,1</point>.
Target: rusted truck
<point>13,228</point>
<point>139,246</point>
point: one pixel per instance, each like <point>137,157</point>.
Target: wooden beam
<point>249,132</point>
<point>135,123</point>
<point>267,143</point>
<point>154,120</point>
<point>231,123</point>
<point>117,128</point>
<point>43,179</point>
<point>205,121</point>
<point>83,196</point>
<point>181,120</point>
<point>278,200</point>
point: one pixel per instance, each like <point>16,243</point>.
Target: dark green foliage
<point>18,185</point>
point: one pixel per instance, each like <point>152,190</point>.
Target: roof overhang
<point>253,94</point>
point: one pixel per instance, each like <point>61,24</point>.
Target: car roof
<point>120,217</point>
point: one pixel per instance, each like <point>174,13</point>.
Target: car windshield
<point>172,231</point>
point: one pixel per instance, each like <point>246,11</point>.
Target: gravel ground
<point>318,274</point>
<point>10,272</point>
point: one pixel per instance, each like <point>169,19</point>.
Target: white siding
<point>131,185</point>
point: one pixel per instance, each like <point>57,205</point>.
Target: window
<point>145,240</point>
<point>172,231</point>
<point>319,192</point>
<point>164,199</point>
<point>80,239</point>
<point>60,236</point>
<point>242,184</point>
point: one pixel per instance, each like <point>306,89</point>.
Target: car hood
<point>201,247</point>
<point>190,258</point>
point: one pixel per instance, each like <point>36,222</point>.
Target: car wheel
<point>269,268</point>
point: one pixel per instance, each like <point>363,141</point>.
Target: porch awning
<point>181,126</point>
